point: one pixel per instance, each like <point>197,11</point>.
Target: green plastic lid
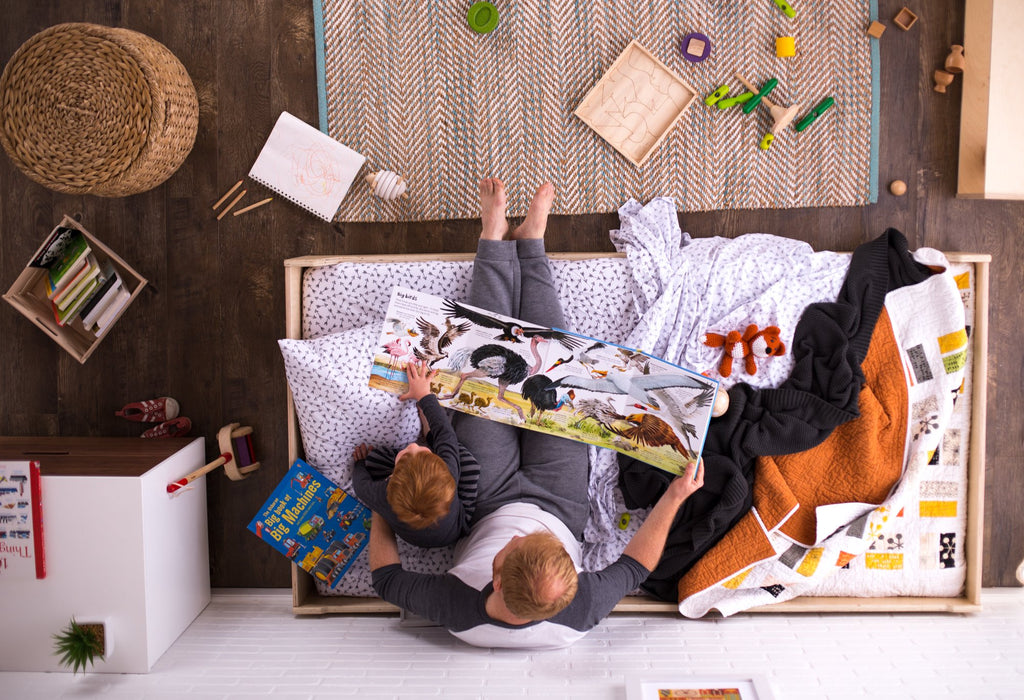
<point>482,17</point>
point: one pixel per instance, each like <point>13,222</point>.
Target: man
<point>516,581</point>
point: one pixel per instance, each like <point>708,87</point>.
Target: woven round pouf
<point>88,109</point>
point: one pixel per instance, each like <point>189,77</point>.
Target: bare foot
<point>492,209</point>
<point>536,221</point>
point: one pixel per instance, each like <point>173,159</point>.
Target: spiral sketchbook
<point>306,166</point>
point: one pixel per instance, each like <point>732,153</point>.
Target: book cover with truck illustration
<point>314,523</point>
<point>546,379</point>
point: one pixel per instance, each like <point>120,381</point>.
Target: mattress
<point>925,550</point>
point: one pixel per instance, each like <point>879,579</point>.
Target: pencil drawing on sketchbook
<point>306,166</point>
<point>314,170</point>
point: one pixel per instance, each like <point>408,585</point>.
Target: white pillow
<point>336,407</point>
<point>337,410</point>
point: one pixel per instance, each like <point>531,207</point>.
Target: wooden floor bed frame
<point>306,600</point>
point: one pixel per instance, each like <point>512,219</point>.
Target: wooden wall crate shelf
<point>28,296</point>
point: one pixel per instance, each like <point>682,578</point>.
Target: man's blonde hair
<point>420,489</point>
<point>538,578</point>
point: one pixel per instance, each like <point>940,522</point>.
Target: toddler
<point>426,492</point>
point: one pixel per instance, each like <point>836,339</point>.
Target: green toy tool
<point>818,110</point>
<point>482,17</point>
<point>752,104</point>
<point>733,101</point>
<point>717,95</point>
<point>786,9</point>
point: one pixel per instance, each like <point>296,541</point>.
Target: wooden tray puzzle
<point>636,103</point>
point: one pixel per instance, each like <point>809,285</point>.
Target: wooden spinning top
<point>387,185</point>
<point>782,115</point>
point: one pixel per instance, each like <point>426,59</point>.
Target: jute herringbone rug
<point>412,88</point>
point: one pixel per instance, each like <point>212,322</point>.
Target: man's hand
<point>648,543</point>
<point>682,487</point>
<point>383,547</point>
<point>361,451</point>
<point>419,380</point>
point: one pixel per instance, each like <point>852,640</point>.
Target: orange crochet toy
<point>753,343</point>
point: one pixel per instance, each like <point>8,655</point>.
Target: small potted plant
<point>80,644</point>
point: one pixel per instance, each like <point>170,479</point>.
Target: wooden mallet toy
<point>237,457</point>
<point>783,116</point>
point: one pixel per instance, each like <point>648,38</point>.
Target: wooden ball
<point>898,188</point>
<point>721,403</point>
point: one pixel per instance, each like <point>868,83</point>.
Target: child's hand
<point>419,380</point>
<point>361,451</point>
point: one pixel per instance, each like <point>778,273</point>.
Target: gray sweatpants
<point>513,278</point>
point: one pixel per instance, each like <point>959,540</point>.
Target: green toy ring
<point>482,17</point>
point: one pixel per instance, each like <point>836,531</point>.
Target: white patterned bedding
<point>680,287</point>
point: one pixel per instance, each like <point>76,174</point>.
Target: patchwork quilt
<point>815,511</point>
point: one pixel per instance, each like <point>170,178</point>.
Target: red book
<point>21,521</point>
<point>37,519</point>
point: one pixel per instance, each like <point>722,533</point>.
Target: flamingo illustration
<point>398,351</point>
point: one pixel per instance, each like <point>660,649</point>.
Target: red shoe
<point>177,427</point>
<point>151,410</point>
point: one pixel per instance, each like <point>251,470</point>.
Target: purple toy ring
<point>695,47</point>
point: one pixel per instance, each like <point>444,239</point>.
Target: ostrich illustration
<point>465,398</point>
<point>510,331</point>
<point>434,344</point>
<point>502,364</point>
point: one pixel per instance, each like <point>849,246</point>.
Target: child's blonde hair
<point>421,489</point>
<point>538,578</point>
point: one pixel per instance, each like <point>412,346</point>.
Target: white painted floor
<point>247,644</point>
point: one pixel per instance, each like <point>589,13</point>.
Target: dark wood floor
<point>205,330</point>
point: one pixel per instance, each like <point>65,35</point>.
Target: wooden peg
<point>955,61</point>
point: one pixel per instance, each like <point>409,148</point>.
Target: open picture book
<point>546,379</point>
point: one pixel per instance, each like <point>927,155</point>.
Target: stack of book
<point>78,285</point>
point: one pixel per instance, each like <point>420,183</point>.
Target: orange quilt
<point>859,462</point>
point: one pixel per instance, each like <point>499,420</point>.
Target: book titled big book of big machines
<point>314,523</point>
